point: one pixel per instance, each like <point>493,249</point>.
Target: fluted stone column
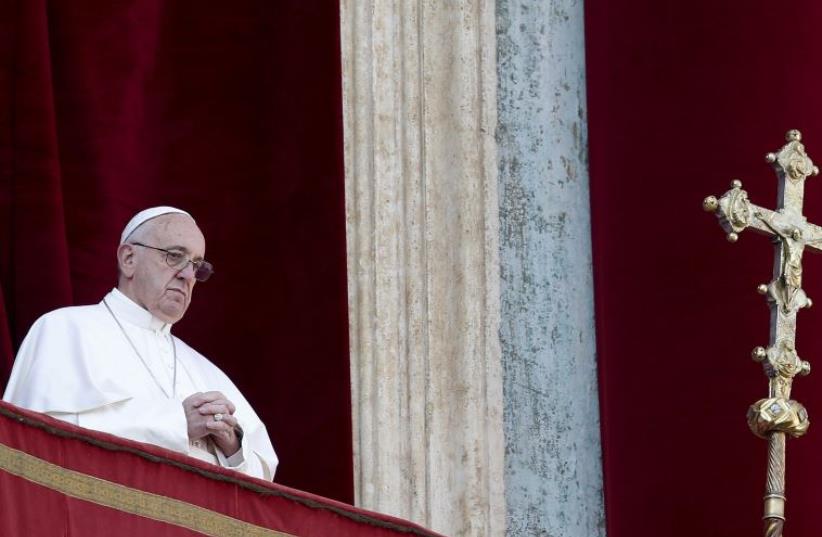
<point>422,224</point>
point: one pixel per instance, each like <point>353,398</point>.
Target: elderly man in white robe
<point>116,367</point>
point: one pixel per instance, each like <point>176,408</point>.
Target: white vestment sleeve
<point>158,421</point>
<point>106,419</point>
<point>248,461</point>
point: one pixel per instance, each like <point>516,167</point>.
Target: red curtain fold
<point>684,97</point>
<point>34,265</point>
<point>232,112</point>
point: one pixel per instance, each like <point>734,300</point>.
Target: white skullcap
<point>143,216</point>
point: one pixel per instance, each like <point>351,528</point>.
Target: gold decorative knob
<point>777,415</point>
<point>805,368</point>
<point>736,183</point>
<point>762,289</point>
<point>710,204</point>
<point>732,237</point>
<point>759,354</point>
<point>770,157</point>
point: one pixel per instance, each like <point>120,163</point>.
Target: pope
<point>116,367</point>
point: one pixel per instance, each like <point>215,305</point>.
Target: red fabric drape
<point>683,98</point>
<point>57,479</point>
<point>232,112</point>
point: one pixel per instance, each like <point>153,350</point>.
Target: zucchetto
<point>146,215</point>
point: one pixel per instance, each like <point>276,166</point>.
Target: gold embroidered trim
<point>137,502</point>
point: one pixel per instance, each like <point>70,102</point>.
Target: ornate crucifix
<point>791,233</point>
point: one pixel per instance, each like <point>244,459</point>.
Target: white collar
<point>129,311</point>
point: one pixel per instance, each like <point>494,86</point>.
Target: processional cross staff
<point>791,233</point>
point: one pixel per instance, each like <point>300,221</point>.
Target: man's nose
<point>187,272</point>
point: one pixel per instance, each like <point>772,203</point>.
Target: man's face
<point>159,288</point>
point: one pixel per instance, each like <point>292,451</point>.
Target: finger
<point>197,420</point>
<point>192,401</point>
<point>230,420</point>
<point>227,423</point>
<point>208,397</point>
<point>197,426</point>
<point>227,406</point>
<point>223,401</point>
<point>198,399</point>
<point>226,418</point>
<point>219,427</point>
<point>214,408</point>
<point>221,437</point>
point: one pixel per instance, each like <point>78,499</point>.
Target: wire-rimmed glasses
<point>178,260</point>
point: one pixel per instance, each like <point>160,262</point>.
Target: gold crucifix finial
<point>777,415</point>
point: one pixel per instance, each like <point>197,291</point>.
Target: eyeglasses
<point>179,260</point>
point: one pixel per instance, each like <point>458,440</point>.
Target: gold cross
<point>791,233</point>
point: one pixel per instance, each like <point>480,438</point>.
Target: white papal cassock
<point>76,364</point>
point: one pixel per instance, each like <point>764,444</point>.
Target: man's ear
<point>126,260</point>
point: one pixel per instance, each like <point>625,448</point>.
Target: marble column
<point>419,84</point>
<point>553,470</point>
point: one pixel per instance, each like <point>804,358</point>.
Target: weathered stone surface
<point>553,477</point>
<point>430,240</point>
<point>422,214</point>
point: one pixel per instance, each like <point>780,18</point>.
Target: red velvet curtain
<point>231,110</point>
<point>683,98</point>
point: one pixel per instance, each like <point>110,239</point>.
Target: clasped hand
<point>200,409</point>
